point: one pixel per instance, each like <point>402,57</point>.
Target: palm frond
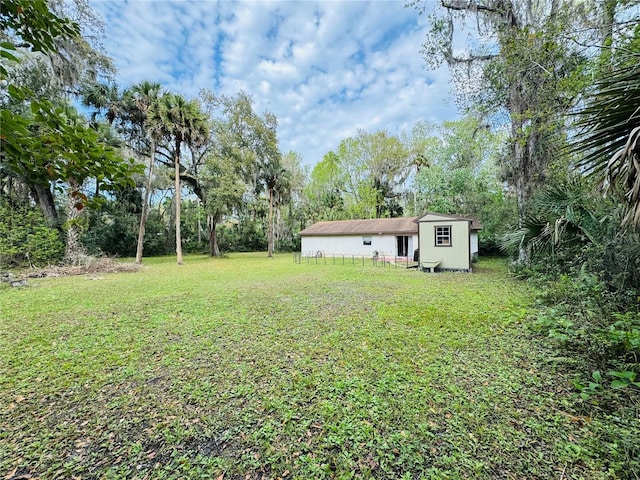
<point>534,236</point>
<point>610,138</point>
<point>628,159</point>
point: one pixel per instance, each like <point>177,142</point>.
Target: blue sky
<point>325,69</point>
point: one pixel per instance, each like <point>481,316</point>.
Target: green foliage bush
<point>488,246</point>
<point>587,269</point>
<point>580,314</point>
<point>291,243</point>
<point>26,239</point>
<point>247,236</point>
<point>113,228</point>
<point>589,309</point>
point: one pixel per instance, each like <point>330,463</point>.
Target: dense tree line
<point>530,70</point>
<point>166,172</point>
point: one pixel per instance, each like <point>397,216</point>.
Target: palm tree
<point>566,214</point>
<point>182,121</point>
<point>610,140</point>
<point>141,98</point>
<point>103,97</point>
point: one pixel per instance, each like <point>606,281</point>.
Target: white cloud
<point>277,69</point>
<point>325,69</point>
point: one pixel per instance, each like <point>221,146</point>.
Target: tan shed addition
<point>447,242</point>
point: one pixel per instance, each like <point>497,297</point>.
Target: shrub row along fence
<point>319,258</point>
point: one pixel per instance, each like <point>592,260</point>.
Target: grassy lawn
<point>248,367</point>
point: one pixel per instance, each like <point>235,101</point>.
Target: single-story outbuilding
<point>393,237</point>
<point>447,242</point>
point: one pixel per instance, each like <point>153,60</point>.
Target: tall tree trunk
<point>270,226</point>
<point>198,224</point>
<point>47,205</point>
<point>212,223</point>
<point>608,21</point>
<point>145,204</point>
<point>177,199</point>
<point>280,229</point>
<point>75,252</point>
<point>528,162</point>
<point>170,237</point>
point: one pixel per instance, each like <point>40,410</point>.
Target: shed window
<point>443,236</point>
<point>366,241</point>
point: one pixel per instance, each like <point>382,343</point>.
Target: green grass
<point>248,367</point>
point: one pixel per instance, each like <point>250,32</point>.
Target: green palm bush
<point>609,139</point>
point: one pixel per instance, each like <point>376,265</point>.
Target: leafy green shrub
<point>289,244</point>
<point>26,239</point>
<point>155,238</point>
<point>579,312</point>
<point>586,266</point>
<point>113,230</point>
<point>247,236</point>
<point>489,246</point>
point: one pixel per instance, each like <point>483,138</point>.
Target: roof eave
<point>354,234</point>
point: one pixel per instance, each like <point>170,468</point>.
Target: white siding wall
<point>413,245</point>
<point>352,245</point>
<point>474,245</point>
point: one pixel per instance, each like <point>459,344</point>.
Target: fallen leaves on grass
<point>93,268</point>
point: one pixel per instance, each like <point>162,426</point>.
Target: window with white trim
<point>443,236</point>
<point>366,241</point>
